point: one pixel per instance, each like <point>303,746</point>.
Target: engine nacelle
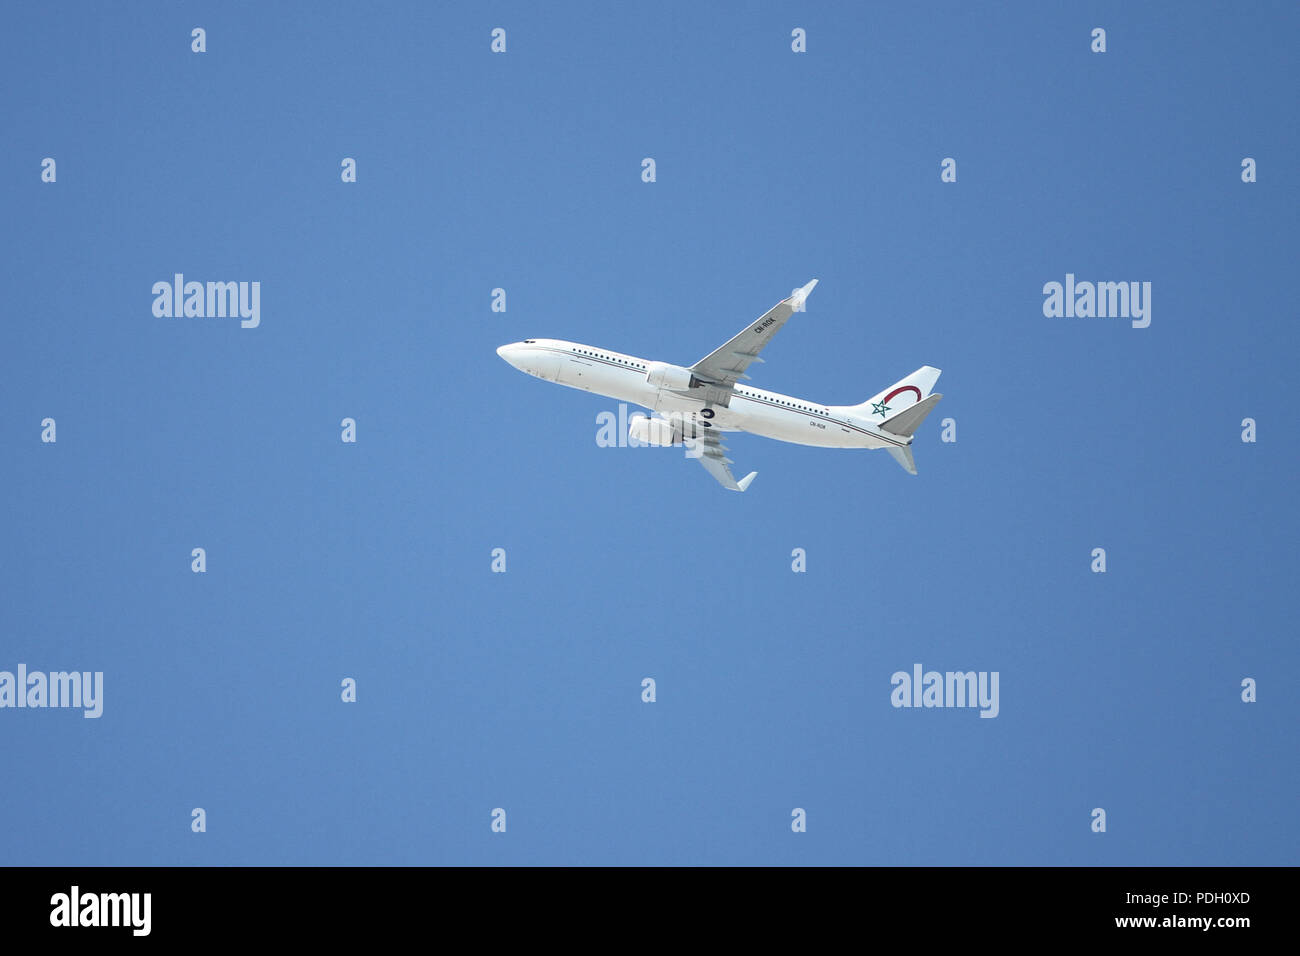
<point>654,431</point>
<point>663,375</point>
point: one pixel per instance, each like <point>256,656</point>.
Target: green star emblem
<point>879,408</point>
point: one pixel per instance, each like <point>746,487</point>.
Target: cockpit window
<point>530,341</point>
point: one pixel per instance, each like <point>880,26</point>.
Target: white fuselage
<point>753,410</point>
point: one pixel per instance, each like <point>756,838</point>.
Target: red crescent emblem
<point>902,388</point>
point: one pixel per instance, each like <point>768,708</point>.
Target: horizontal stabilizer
<point>906,422</point>
<point>904,457</point>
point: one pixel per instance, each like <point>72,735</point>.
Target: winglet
<point>744,482</point>
<point>799,295</point>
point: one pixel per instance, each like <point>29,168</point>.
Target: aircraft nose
<point>510,353</point>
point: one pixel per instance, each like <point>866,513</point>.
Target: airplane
<point>698,402</point>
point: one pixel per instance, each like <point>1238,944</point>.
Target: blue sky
<point>522,690</point>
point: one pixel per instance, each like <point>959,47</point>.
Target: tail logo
<point>882,406</point>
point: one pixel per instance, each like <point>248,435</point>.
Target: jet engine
<point>654,431</point>
<point>663,375</point>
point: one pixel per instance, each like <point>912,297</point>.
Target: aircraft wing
<point>712,456</point>
<point>725,366</point>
